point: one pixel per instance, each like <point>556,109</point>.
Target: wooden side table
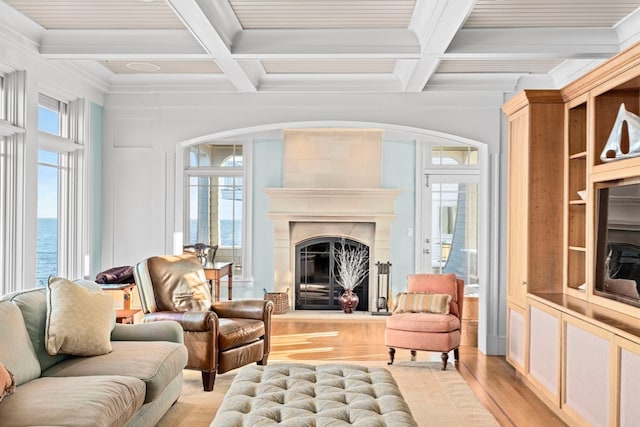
<point>213,274</point>
<point>125,288</point>
<point>125,316</point>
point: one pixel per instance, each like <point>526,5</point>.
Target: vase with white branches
<point>352,265</point>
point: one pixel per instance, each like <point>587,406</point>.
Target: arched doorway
<point>488,275</point>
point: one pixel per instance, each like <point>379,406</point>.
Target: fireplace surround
<point>331,187</point>
<point>364,215</point>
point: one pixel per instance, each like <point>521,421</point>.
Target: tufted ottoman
<point>303,395</point>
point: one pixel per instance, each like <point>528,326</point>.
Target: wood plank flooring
<point>338,336</point>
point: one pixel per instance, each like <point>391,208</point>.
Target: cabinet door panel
<point>628,411</point>
<point>544,350</point>
<point>587,372</point>
<point>516,338</point>
<point>517,216</point>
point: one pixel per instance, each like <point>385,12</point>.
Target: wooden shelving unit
<point>576,195</point>
<point>573,346</point>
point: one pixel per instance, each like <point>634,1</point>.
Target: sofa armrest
<point>192,321</point>
<point>244,309</point>
<point>155,331</point>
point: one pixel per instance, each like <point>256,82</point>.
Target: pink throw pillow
<point>7,383</point>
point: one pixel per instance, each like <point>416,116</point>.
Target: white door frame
<point>488,290</point>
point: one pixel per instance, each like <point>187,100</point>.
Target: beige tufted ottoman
<point>303,395</point>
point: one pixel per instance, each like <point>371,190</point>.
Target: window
<point>454,156</point>
<point>49,170</point>
<point>59,214</point>
<point>216,206</point>
<point>52,117</point>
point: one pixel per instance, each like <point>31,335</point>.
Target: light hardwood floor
<point>338,336</point>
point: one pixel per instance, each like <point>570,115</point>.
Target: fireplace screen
<point>316,287</point>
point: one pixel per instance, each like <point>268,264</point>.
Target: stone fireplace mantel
<point>361,214</point>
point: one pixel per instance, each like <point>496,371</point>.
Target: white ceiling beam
<point>503,82</point>
<point>435,23</point>
<point>15,26</point>
<point>537,43</point>
<point>309,44</point>
<point>253,69</point>
<point>222,17</point>
<point>193,83</point>
<point>201,26</point>
<point>120,44</point>
<point>332,83</point>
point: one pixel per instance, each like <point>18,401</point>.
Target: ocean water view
<point>47,250</point>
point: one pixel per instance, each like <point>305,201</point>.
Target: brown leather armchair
<point>219,337</point>
<point>429,321</point>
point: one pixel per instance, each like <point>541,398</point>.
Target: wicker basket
<point>280,301</point>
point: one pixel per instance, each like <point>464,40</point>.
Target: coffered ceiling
<point>322,45</point>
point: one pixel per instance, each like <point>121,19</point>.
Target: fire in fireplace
<point>315,275</point>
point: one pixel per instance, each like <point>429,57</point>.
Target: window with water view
<point>215,200</point>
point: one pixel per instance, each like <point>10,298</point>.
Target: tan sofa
<point>133,385</point>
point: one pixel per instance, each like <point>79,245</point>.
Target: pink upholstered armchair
<point>427,316</point>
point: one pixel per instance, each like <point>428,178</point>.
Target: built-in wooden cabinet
<point>534,177</point>
<point>579,350</point>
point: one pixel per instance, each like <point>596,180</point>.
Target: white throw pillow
<point>79,320</point>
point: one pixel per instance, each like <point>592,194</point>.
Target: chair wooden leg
<point>392,354</point>
<point>456,354</point>
<point>208,378</point>
<point>413,355</point>
<point>263,362</point>
<point>444,357</point>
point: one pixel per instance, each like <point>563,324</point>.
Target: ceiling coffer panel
<point>99,14</point>
<point>549,13</point>
<point>273,14</point>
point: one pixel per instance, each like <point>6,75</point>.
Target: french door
<point>449,240</point>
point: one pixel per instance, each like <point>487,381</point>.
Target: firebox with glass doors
<point>316,272</point>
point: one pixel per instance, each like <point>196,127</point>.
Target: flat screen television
<point>617,262</point>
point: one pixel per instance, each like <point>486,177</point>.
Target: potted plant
<point>352,265</point>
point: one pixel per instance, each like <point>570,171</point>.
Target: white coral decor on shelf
<point>612,150</point>
<point>353,265</point>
